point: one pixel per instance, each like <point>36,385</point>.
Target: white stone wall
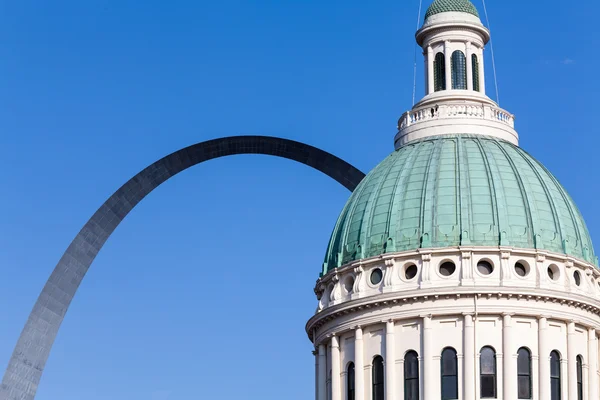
<point>466,310</point>
<point>449,332</point>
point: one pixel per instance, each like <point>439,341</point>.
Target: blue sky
<point>211,276</point>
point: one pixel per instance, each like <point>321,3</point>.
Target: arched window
<point>475,65</point>
<point>459,70</point>
<point>487,370</point>
<point>439,72</point>
<point>350,383</point>
<point>378,390</point>
<point>524,373</point>
<point>411,376</point>
<point>579,378</point>
<point>555,376</point>
<point>449,374</point>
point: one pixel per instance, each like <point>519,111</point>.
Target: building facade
<point>459,268</point>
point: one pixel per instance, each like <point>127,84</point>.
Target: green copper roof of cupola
<point>440,6</point>
<point>458,190</point>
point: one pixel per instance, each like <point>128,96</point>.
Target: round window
<point>521,269</point>
<point>553,272</point>
<point>349,284</point>
<point>485,267</point>
<point>447,268</point>
<point>577,277</point>
<point>410,271</point>
<point>376,276</point>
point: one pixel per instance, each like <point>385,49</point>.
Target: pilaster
<point>359,364</point>
<point>593,364</point>
<point>390,360</point>
<point>322,381</point>
<point>336,393</point>
<point>469,388</point>
<point>571,360</point>
<point>544,359</point>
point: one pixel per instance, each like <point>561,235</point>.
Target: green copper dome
<point>458,190</point>
<point>440,6</point>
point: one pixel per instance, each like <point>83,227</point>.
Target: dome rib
<point>373,226</point>
<point>425,227</point>
<point>458,190</point>
<point>497,233</point>
<point>569,207</point>
<point>558,220</point>
<point>527,205</point>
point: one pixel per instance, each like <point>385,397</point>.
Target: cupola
<point>453,40</point>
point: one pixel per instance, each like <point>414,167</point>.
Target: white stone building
<point>459,268</point>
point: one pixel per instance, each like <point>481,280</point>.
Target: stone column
<point>429,369</point>
<point>448,58</point>
<point>316,354</point>
<point>564,379</point>
<point>481,72</point>
<point>509,368</point>
<point>544,359</point>
<point>359,365</point>
<point>390,360</point>
<point>469,359</point>
<point>593,364</point>
<point>571,360</point>
<point>336,388</point>
<point>469,67</point>
<point>322,381</point>
<point>430,70</point>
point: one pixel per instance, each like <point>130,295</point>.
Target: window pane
<point>378,392</point>
<point>488,361</point>
<point>459,70</point>
<point>524,389</point>
<point>378,378</point>
<point>554,365</point>
<point>524,362</point>
<point>475,65</point>
<point>378,370</point>
<point>411,390</point>
<point>411,366</point>
<point>555,389</point>
<point>579,369</point>
<point>488,387</point>
<point>449,362</point>
<point>449,388</point>
<point>439,73</point>
<point>351,381</point>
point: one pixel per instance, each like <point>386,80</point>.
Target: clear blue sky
<point>211,277</point>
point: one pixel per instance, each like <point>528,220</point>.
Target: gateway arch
<point>26,365</point>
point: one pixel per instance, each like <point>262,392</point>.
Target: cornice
<point>387,300</point>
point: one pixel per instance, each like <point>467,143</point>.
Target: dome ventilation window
<point>376,276</point>
<point>521,269</point>
<point>485,267</point>
<point>553,272</point>
<point>447,268</point>
<point>577,278</point>
<point>410,272</point>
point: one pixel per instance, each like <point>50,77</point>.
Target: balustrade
<point>483,112</point>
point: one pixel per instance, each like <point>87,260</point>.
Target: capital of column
<point>468,320</point>
<point>358,333</point>
<point>335,343</point>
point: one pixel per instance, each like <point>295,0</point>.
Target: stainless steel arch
<point>24,371</point>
